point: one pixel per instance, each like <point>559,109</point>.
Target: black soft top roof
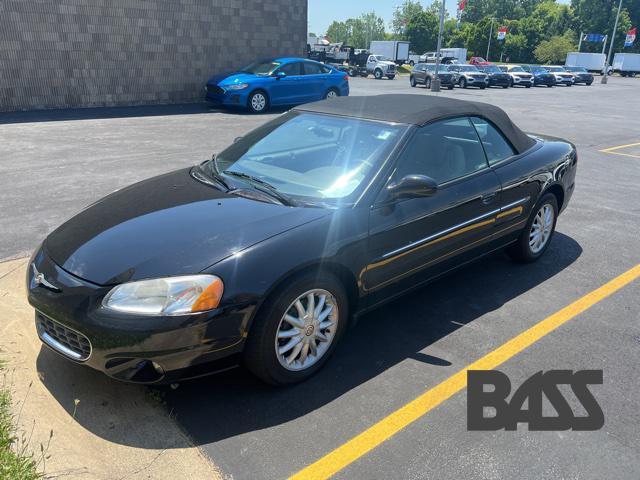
<point>419,110</point>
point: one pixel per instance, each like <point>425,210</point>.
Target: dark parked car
<point>273,82</point>
<point>424,73</point>
<point>580,75</point>
<point>497,78</point>
<point>470,76</point>
<point>541,76</point>
<point>267,251</point>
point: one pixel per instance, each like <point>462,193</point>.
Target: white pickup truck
<point>379,66</point>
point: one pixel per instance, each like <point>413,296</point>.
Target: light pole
<point>435,83</point>
<point>490,35</point>
<point>613,39</point>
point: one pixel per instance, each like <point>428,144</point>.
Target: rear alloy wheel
<point>297,329</point>
<point>331,93</point>
<point>463,83</point>
<point>258,102</point>
<point>412,81</point>
<point>427,83</point>
<point>538,231</point>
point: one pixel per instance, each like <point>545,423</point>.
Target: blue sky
<point>323,12</point>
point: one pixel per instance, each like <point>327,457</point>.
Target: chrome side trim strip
<point>439,234</point>
<point>53,343</point>
<point>515,204</point>
<point>455,227</point>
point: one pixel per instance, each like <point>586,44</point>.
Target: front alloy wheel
<point>427,83</point>
<point>297,328</point>
<point>257,102</point>
<point>307,330</point>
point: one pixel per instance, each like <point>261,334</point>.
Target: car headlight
<point>237,86</point>
<point>166,296</point>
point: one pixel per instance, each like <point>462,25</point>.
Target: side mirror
<point>412,186</point>
<point>279,75</point>
<point>237,139</point>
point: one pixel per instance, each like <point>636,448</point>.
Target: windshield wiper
<point>268,188</point>
<point>214,173</point>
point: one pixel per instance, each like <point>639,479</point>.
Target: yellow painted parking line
<point>366,441</point>
<point>614,150</point>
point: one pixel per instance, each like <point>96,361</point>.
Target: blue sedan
<point>280,81</point>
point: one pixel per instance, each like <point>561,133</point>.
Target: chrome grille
<point>62,339</point>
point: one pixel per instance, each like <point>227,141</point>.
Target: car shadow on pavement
<point>94,113</point>
<point>232,403</point>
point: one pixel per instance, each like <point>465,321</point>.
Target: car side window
<point>326,69</point>
<point>495,145</point>
<point>444,151</point>
<point>312,69</point>
<point>294,68</point>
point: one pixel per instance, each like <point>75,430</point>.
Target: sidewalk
<point>102,429</point>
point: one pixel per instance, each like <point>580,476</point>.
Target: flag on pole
<point>502,32</point>
<point>631,37</point>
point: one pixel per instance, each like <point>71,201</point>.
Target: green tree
<point>422,31</point>
<point>555,49</point>
<point>338,32</point>
<point>357,32</point>
<point>402,16</point>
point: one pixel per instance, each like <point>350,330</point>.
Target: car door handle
<point>489,198</point>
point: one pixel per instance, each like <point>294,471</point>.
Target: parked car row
<point>485,74</point>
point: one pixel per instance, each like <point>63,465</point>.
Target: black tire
<point>427,83</point>
<point>335,91</point>
<point>569,84</point>
<point>391,77</point>
<point>505,86</point>
<point>528,86</point>
<point>450,87</point>
<point>260,355</point>
<point>549,86</point>
<point>463,82</point>
<point>589,83</point>
<point>521,250</point>
<point>482,87</point>
<point>511,82</point>
<point>253,105</point>
<point>412,81</point>
<point>377,73</point>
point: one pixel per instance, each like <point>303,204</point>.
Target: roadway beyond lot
<point>52,165</point>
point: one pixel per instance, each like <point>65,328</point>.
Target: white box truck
<point>594,62</point>
<point>460,54</point>
<point>395,50</point>
<point>626,64</point>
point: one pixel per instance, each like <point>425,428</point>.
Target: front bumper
<point>544,80</point>
<point>499,81</point>
<point>232,98</point>
<point>564,81</point>
<point>132,348</point>
<point>522,80</point>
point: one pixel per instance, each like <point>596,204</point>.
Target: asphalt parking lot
<point>53,164</point>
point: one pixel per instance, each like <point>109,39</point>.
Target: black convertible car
<point>266,252</point>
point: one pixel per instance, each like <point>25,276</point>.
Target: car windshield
<point>261,68</point>
<point>516,69</point>
<point>577,69</point>
<point>381,58</point>
<point>492,69</point>
<point>310,156</point>
<point>468,68</point>
<point>555,69</point>
<point>539,70</point>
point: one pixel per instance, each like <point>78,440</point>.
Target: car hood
<point>223,79</point>
<point>167,225</point>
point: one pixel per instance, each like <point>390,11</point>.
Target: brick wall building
<point>80,53</point>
